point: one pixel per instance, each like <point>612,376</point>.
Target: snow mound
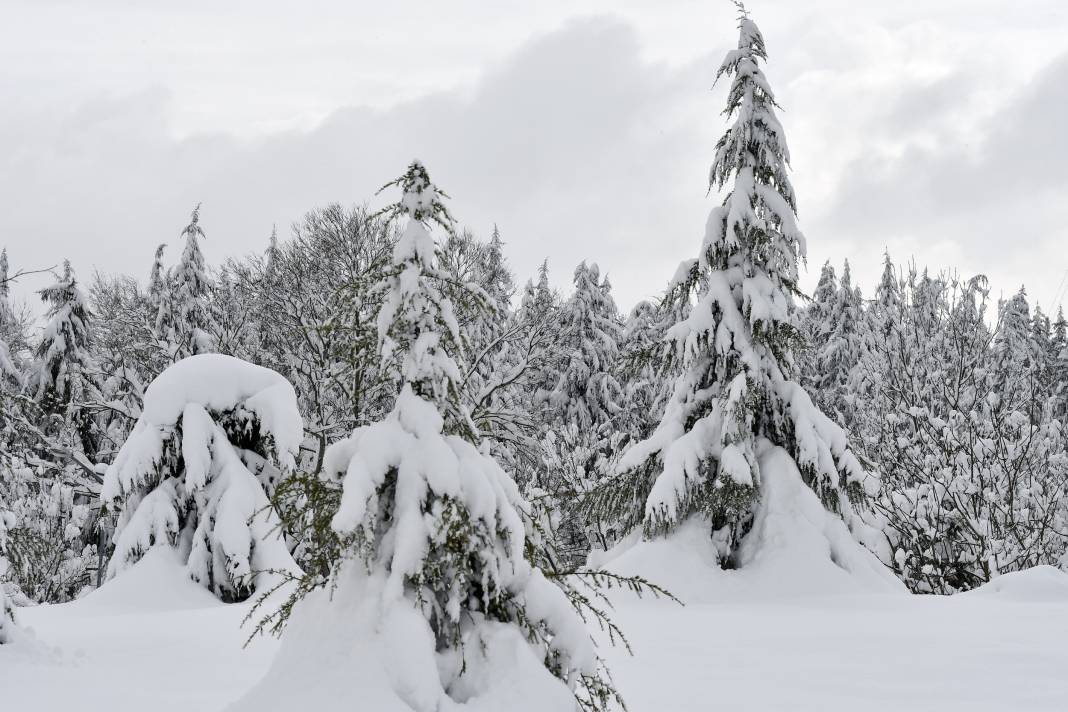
<point>350,646</point>
<point>1038,584</point>
<point>795,548</point>
<point>159,581</point>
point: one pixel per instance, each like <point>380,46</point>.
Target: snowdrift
<point>795,548</point>
<point>341,652</point>
<point>1036,585</point>
<point>157,582</point>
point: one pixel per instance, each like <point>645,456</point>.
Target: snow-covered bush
<point>52,550</point>
<point>954,416</point>
<point>215,436</point>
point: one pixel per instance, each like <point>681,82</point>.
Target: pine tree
<point>436,524</point>
<point>157,279</point>
<point>641,369</point>
<point>738,388</point>
<point>497,281</point>
<point>582,430</point>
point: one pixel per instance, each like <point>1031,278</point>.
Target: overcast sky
<point>937,130</point>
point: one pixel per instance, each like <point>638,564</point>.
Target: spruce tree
<point>436,525</point>
<point>1058,360</point>
<point>184,321</point>
<point>819,325</point>
<point>739,384</point>
<point>842,352</point>
<point>1014,357</point>
<point>587,394</point>
<point>62,372</point>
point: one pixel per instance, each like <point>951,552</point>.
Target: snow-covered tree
<point>1058,364</point>
<point>436,524</point>
<point>819,324</point>
<point>583,419</point>
<point>739,390</point>
<point>185,322</point>
<point>641,369</point>
<point>9,370</point>
<point>7,610</point>
<point>62,370</point>
<point>586,393</point>
<point>1014,358</point>
<point>215,436</point>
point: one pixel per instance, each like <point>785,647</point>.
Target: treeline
<point>958,409</point>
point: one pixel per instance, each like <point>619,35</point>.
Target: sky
<point>584,129</point>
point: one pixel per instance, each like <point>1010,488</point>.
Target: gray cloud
<point>996,202</point>
<point>559,145</point>
<point>580,147</point>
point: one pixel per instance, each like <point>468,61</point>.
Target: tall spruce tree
<point>739,382</point>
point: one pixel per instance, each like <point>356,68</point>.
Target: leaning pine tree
<point>738,392</point>
<point>436,531</point>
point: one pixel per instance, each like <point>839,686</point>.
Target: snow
<point>1038,584</point>
<point>148,640</point>
<point>217,382</point>
<point>156,583</point>
<point>795,548</point>
<point>359,642</point>
<point>741,642</point>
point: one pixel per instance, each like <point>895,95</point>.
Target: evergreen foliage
<point>735,346</point>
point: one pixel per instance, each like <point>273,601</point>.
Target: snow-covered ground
<point>153,641</point>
